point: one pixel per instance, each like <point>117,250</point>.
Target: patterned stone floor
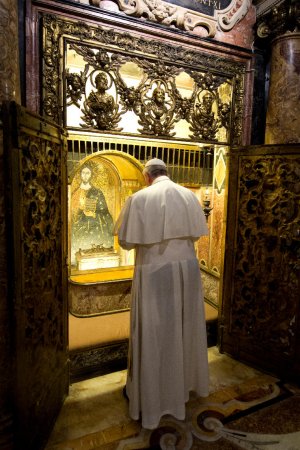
<point>245,410</point>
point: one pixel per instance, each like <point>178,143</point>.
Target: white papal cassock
<point>168,346</point>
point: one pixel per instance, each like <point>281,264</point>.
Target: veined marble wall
<point>210,249</point>
<point>283,119</point>
<point>9,90</point>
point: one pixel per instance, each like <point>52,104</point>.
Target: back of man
<point>168,349</point>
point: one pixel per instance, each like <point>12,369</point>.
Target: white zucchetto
<point>155,162</point>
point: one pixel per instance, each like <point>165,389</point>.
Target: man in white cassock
<point>168,344</point>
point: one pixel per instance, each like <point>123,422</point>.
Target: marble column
<point>9,90</point>
<point>283,118</point>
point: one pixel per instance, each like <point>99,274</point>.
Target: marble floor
<point>95,414</point>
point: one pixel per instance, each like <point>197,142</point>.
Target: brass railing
<point>187,164</point>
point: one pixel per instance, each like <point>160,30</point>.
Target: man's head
<point>86,174</point>
<point>159,95</point>
<point>101,81</point>
<point>154,168</point>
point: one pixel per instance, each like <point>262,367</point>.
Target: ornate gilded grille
<point>129,85</point>
<point>190,165</point>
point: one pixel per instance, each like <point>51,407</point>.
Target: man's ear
<point>148,179</point>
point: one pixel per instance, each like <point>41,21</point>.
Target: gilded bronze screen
<point>123,84</point>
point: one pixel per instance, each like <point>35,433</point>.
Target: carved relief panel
<point>37,255</point>
<point>261,310</point>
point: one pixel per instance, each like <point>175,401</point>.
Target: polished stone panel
<point>97,405</point>
<point>245,409</point>
<point>283,119</point>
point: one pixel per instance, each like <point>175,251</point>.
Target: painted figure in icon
<point>92,223</point>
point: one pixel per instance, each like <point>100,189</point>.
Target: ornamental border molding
<point>183,18</point>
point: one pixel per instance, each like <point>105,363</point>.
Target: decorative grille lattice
<point>187,164</point>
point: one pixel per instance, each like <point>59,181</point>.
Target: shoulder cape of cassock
<point>164,210</point>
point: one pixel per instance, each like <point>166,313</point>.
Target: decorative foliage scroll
<point>268,243</point>
<point>42,241</point>
<point>156,101</point>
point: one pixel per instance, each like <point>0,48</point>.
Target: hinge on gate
<point>221,322</point>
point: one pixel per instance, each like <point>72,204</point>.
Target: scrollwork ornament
<point>51,60</point>
<point>162,71</point>
<point>183,105</point>
<point>237,125</point>
<point>155,11</point>
<point>206,81</point>
<point>40,182</point>
<point>130,98</point>
<point>268,216</point>
<point>75,86</point>
<point>224,114</point>
<point>50,107</point>
<point>263,30</point>
<point>171,434</point>
<point>142,45</point>
<point>229,17</point>
<point>98,59</point>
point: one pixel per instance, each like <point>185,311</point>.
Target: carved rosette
<point>157,114</point>
<point>268,244</point>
